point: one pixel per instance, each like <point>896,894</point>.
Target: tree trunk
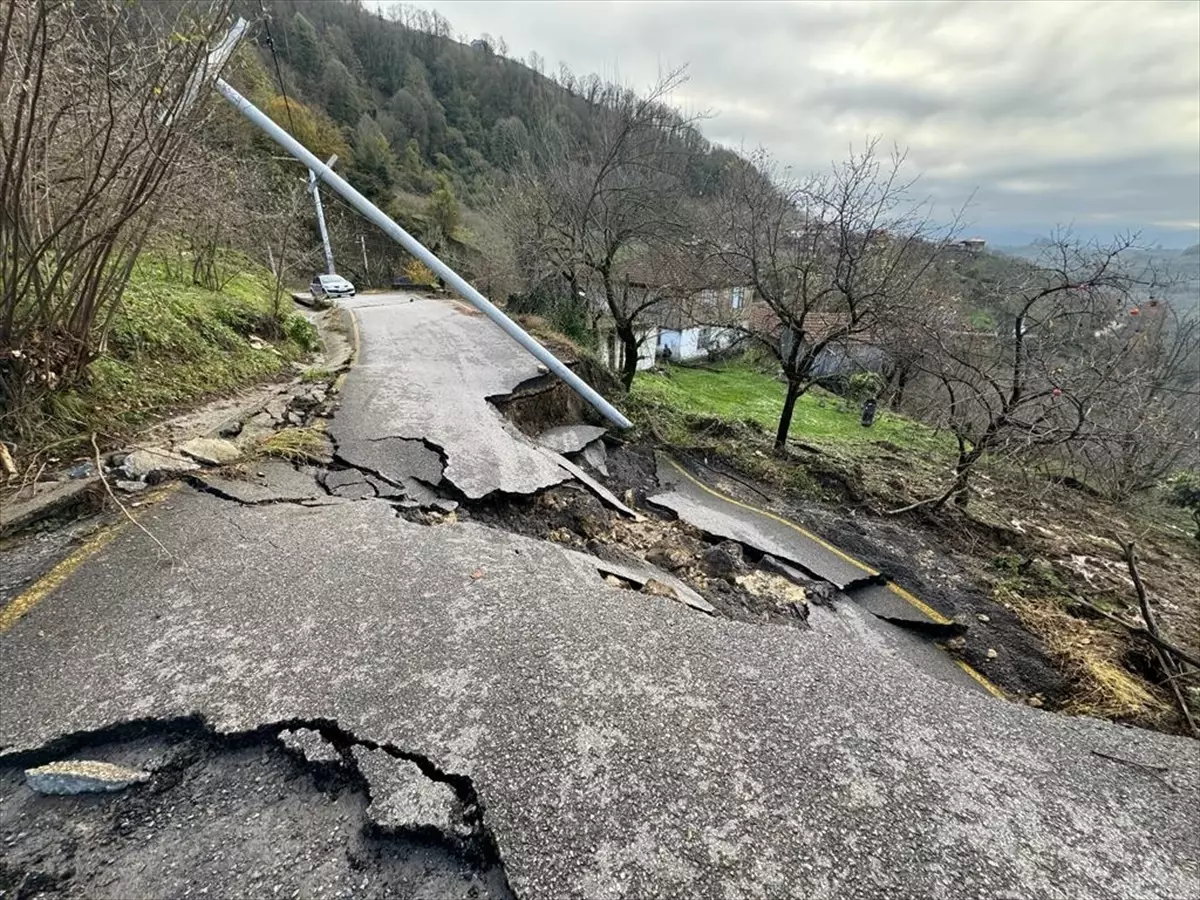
<point>629,353</point>
<point>898,385</point>
<point>785,418</point>
<point>962,474</point>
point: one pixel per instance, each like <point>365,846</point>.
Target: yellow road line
<point>987,685</point>
<point>770,515</point>
<point>919,604</point>
<point>48,583</point>
<point>52,580</point>
<point>895,588</point>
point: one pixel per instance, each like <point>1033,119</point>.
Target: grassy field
<point>739,393</point>
<point>171,344</point>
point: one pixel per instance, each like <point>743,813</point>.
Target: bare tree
<point>96,103</point>
<point>592,208</point>
<point>1143,426</point>
<point>1033,381</point>
<point>830,257</point>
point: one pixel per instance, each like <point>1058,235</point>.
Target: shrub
<point>1183,490</point>
<point>302,332</point>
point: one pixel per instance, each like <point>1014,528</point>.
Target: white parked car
<point>330,286</point>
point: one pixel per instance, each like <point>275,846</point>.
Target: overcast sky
<point>1084,113</point>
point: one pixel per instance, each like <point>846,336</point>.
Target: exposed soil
<point>222,817</point>
<point>572,516</point>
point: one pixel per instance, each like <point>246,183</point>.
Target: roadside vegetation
<point>171,344</point>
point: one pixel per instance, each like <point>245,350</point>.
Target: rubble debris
<point>156,463</point>
<point>593,485</point>
<point>786,596</point>
<point>669,557</point>
<point>82,776</point>
<point>725,560</point>
<point>210,451</point>
<point>640,576</point>
<point>656,588</point>
<point>131,487</point>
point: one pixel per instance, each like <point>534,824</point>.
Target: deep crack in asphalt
<point>237,814</point>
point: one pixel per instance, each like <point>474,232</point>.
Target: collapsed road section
<point>538,651</point>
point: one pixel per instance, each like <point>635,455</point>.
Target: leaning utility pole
<point>316,195</point>
<point>372,212</point>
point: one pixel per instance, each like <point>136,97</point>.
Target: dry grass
<point>1092,656</point>
<point>309,444</point>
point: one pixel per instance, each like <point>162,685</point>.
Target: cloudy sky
<point>1083,113</point>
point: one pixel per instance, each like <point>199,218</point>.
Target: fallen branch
<point>1167,662</point>
<point>1139,631</point>
<point>926,502</point>
<point>120,505</point>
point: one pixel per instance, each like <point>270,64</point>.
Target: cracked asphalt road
<point>622,745</point>
<point>424,371</point>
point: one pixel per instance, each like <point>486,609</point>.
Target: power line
<point>287,104</point>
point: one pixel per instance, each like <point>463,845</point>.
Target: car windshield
<point>332,279</point>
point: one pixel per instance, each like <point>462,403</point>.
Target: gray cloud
<point>1058,112</point>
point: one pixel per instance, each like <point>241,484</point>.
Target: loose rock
<point>155,463</point>
<point>131,487</point>
<point>725,560</point>
<point>82,776</point>
<point>210,451</point>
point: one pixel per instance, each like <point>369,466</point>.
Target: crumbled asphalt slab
<point>265,481</point>
<point>232,816</point>
<point>717,516</point>
<point>394,459</point>
<point>425,373</point>
<point>569,438</point>
<point>622,747</point>
<point>881,599</point>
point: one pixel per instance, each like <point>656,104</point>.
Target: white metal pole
<point>316,193</point>
<point>421,252</point>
